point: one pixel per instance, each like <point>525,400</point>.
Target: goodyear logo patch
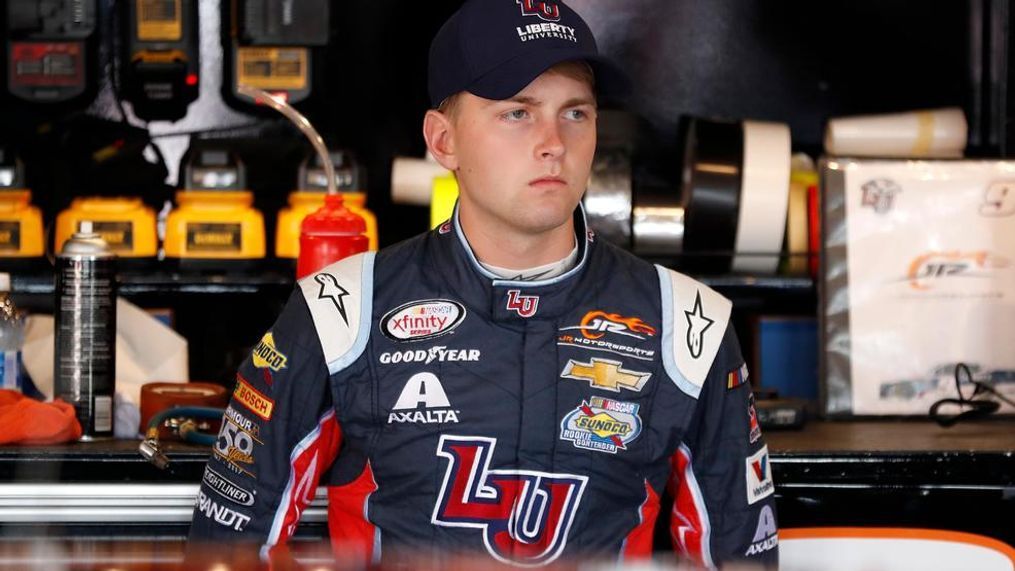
<point>251,398</point>
<point>602,424</point>
<point>266,356</point>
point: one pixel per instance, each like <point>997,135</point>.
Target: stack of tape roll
<point>412,180</point>
<point>710,194</point>
<point>657,221</point>
<point>802,177</point>
<point>608,197</point>
<point>729,212</point>
<point>764,194</point>
<point>156,397</point>
<point>935,133</point>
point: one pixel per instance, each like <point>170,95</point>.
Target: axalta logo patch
<point>439,354</point>
<point>228,490</point>
<point>766,535</point>
<point>602,424</point>
<point>759,476</point>
<point>426,319</point>
<point>266,356</point>
<point>423,390</point>
<point>251,398</point>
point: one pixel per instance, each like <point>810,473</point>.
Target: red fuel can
<point>331,233</point>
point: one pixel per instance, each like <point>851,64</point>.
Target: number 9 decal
<point>999,199</point>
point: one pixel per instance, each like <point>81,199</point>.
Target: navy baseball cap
<point>494,48</point>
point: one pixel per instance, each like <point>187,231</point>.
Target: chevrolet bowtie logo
<point>605,374</point>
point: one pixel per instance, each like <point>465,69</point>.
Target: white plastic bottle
<point>12,337</point>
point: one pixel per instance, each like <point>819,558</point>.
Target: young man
<point>505,384</point>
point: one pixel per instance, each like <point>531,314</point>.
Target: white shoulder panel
<point>694,323</point>
<point>340,298</point>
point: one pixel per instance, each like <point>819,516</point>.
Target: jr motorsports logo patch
<point>424,319</point>
<point>602,424</point>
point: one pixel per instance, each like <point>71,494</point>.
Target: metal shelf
<point>166,282</point>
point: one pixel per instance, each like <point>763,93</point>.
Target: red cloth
<point>27,421</point>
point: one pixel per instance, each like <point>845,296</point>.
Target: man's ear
<point>438,131</point>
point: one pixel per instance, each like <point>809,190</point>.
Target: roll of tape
<point>796,230</point>
<point>658,223</point>
<point>937,133</point>
<point>156,397</point>
<point>713,161</point>
<point>764,194</point>
<point>608,197</point>
<point>412,179</point>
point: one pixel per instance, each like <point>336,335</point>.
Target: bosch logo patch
<point>425,319</point>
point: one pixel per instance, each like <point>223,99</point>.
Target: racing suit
<point>451,410</point>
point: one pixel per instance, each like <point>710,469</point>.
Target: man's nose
<point>551,144</point>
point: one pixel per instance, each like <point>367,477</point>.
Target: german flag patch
<point>737,377</point>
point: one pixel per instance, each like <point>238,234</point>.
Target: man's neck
<point>501,246</point>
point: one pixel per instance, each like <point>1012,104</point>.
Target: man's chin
<point>542,221</point>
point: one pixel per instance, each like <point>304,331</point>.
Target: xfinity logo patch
<point>418,320</point>
<point>228,490</point>
<point>423,401</point>
<point>439,353</point>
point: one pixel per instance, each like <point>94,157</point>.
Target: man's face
<point>523,163</point>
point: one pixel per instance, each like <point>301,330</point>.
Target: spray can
<point>331,233</point>
<point>85,346</point>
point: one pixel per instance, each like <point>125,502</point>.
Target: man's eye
<point>576,114</point>
<point>516,115</point>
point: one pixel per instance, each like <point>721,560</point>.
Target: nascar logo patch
<point>602,424</point>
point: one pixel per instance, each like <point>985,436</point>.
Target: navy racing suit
<point>449,410</point>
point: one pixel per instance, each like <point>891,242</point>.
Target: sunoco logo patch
<point>602,424</point>
<point>426,319</point>
<point>266,356</point>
